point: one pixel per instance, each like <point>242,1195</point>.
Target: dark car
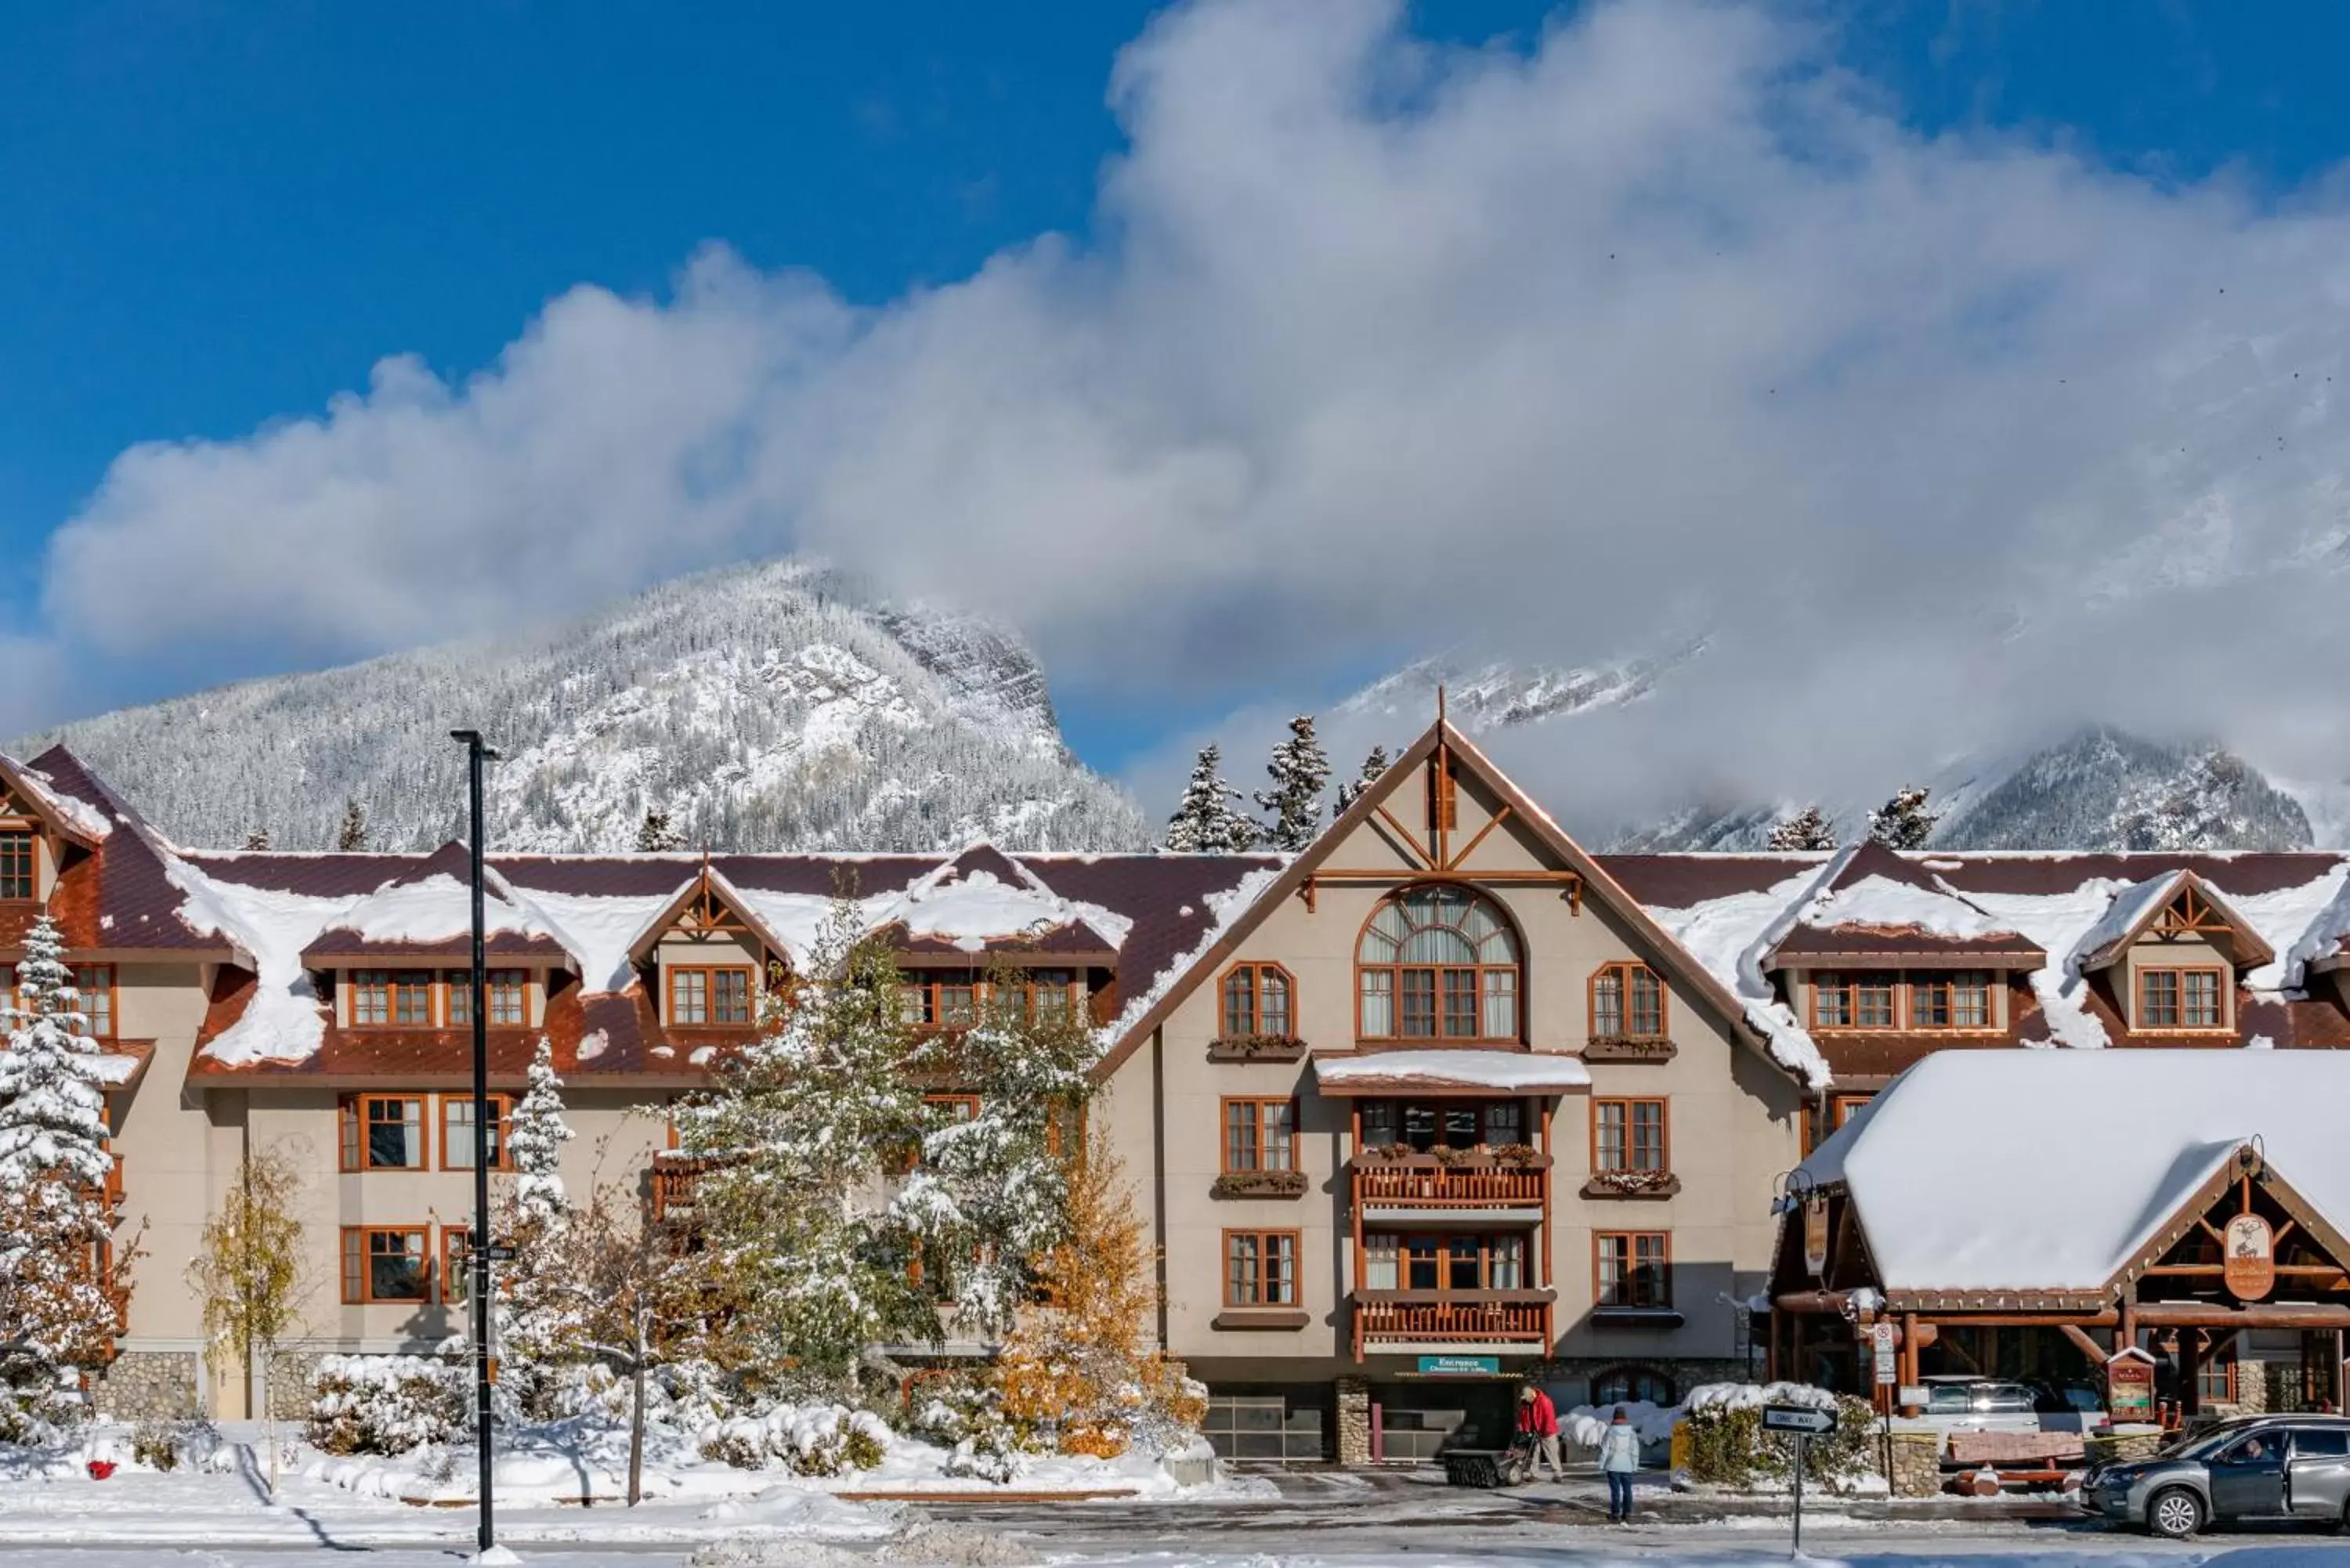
<point>2256,1467</point>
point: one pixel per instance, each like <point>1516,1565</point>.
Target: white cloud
<point>1381,345</point>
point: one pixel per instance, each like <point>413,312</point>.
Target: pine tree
<point>1903,822</point>
<point>987,1198</point>
<point>257,839</point>
<point>1083,1358</point>
<point>655,836</point>
<point>248,1272</point>
<point>1206,821</point>
<point>1807,829</point>
<point>59,1261</point>
<point>1373,766</point>
<point>352,836</point>
<point>537,1318</point>
<point>799,1131</point>
<point>1300,772</point>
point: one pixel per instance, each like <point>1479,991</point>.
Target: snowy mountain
<point>1494,694</point>
<point>764,708</point>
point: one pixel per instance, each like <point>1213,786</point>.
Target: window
<point>1628,1003</point>
<point>457,1132</point>
<point>1633,1268</point>
<point>2178,999</point>
<point>1960,1001</point>
<point>370,998</point>
<point>1379,1260</point>
<point>1051,993</point>
<point>709,998</point>
<point>2215,1380</point>
<point>1443,800</point>
<point>456,1248</point>
<point>1256,1000</point>
<point>2320,1443</point>
<point>1260,1268</point>
<point>951,1002</point>
<point>1841,1110</point>
<point>1505,1124</point>
<point>1258,1134</point>
<point>1438,962</point>
<point>506,997</point>
<point>411,999</point>
<point>382,1265</point>
<point>1632,1384</point>
<point>94,991</point>
<point>1451,1263</point>
<point>1853,1001</point>
<point>16,879</point>
<point>1628,1134</point>
<point>383,1132</point>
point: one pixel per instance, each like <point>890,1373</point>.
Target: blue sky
<point>221,216</point>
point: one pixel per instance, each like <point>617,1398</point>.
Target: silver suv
<point>2259,1467</point>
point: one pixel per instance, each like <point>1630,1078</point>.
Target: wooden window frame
<point>1849,981</point>
<point>352,1131</point>
<point>1664,1133</point>
<point>113,992</point>
<point>1261,1237</point>
<point>501,1114</point>
<point>456,1244</point>
<point>672,973</point>
<point>1441,1242</point>
<point>2225,1365</point>
<point>934,985</point>
<point>1622,969</point>
<point>2222,983</point>
<point>1948,981</point>
<point>1395,972</point>
<point>1443,800</point>
<point>359,1282</point>
<point>360,984</point>
<point>407,980</point>
<point>1599,1239</point>
<point>29,834</point>
<point>456,987</point>
<point>1224,1165</point>
<point>1256,970</point>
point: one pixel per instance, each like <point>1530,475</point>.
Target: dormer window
<point>1853,1001</point>
<point>17,864</point>
<point>713,998</point>
<point>2179,999</point>
<point>505,987</point>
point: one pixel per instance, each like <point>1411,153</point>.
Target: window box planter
<point>1635,1317</point>
<point>1628,1048</point>
<point>1631,1184</point>
<point>1260,1318</point>
<point>1256,1048</point>
<point>1260,1184</point>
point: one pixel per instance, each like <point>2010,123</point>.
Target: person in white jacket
<point>1619,1457</point>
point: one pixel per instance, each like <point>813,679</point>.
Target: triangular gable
<point>2234,1170</point>
<point>22,788</point>
<point>1589,880</point>
<point>708,903</point>
<point>2182,903</point>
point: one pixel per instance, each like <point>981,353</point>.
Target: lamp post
<point>477,756</point>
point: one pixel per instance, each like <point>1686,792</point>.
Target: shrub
<point>1722,1422</point>
<point>809,1439</point>
<point>385,1403</point>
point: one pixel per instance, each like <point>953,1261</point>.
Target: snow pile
<point>1754,1396</point>
<point>436,908</point>
<point>1224,909</point>
<point>284,1022</point>
<point>807,1439</point>
<point>1522,1071</point>
<point>1729,936</point>
<point>1584,1426</point>
<point>386,1404</point>
<point>74,812</point>
<point>970,908</point>
<point>1880,903</point>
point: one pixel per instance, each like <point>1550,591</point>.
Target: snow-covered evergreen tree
<point>1806,829</point>
<point>352,836</point>
<point>1373,765</point>
<point>1903,822</point>
<point>57,1266</point>
<point>257,839</point>
<point>990,1195</point>
<point>538,1311</point>
<point>1206,821</point>
<point>656,833</point>
<point>1300,772</point>
<point>800,1131</point>
<point>535,1135</point>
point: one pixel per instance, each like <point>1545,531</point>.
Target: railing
<point>674,1176</point>
<point>1420,1181</point>
<point>1487,1317</point>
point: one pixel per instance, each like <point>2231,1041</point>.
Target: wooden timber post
<point>2190,1371</point>
<point>1908,1367</point>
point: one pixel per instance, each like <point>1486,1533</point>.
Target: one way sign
<point>1806,1419</point>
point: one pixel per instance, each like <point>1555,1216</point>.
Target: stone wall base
<point>1354,1421</point>
<point>149,1386</point>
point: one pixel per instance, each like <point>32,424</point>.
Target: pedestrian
<point>1620,1456</point>
<point>1538,1419</point>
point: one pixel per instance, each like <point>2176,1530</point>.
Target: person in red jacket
<point>1538,1419</point>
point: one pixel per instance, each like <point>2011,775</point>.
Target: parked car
<point>1959,1404</point>
<point>2253,1468</point>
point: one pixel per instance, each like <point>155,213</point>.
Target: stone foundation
<point>1917,1464</point>
<point>149,1386</point>
<point>289,1382</point>
<point>1354,1421</point>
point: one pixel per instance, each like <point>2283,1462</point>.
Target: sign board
<point>1815,1237</point>
<point>1808,1420</point>
<point>1912,1395</point>
<point>1884,1337</point>
<point>500,1252</point>
<point>2248,1249</point>
<point>1460,1367</point>
<point>2129,1385</point>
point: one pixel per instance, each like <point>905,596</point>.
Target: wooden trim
<point>1549,1276</point>
<point>1404,841</point>
<point>358,1278</point>
<point>1664,1131</point>
<point>1261,1319</point>
<point>1259,969</point>
<point>2223,986</point>
<point>1225,1166</point>
<point>1396,972</point>
<point>1460,856</point>
<point>1599,1239</point>
<point>501,1112</point>
<point>1622,970</point>
<point>354,1124</point>
<point>1261,1237</point>
<point>671,973</point>
<point>1898,994</point>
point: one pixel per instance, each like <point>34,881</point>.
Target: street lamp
<point>477,756</point>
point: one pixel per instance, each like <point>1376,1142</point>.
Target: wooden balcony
<point>673,1178</point>
<point>1505,1320</point>
<point>1466,1183</point>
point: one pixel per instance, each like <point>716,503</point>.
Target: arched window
<point>1438,963</point>
<point>1628,1003</point>
<point>1256,1000</point>
<point>1631,1385</point>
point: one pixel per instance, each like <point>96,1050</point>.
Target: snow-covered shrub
<point>1727,1445</point>
<point>808,1439</point>
<point>169,1445</point>
<point>964,1412</point>
<point>385,1403</point>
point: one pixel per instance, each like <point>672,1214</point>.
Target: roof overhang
<point>1451,1074</point>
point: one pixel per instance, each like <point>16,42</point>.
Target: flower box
<point>1255,1048</point>
<point>1631,1184</point>
<point>1628,1048</point>
<point>1260,1184</point>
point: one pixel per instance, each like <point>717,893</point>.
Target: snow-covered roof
<point>1507,1072</point>
<point>2122,1138</point>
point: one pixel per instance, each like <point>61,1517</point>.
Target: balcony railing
<point>1463,1181</point>
<point>674,1176</point>
<point>1438,1317</point>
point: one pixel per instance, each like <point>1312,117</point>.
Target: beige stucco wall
<point>162,1142</point>
<point>2151,951</point>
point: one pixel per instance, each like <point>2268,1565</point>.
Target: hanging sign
<point>1460,1367</point>
<point>1883,1336</point>
<point>1816,1236</point>
<point>2248,1248</point>
<point>2129,1385</point>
